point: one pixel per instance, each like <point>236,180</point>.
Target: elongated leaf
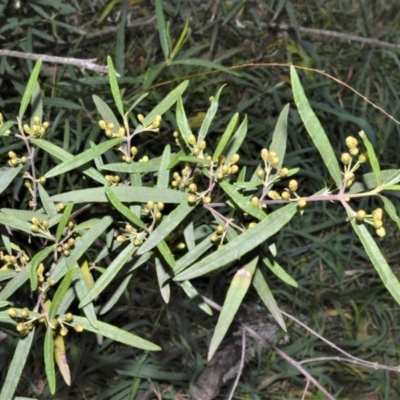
<point>386,274</point>
<point>225,137</point>
<point>112,76</point>
<point>193,294</point>
<point>64,220</point>
<point>391,210</point>
<point>112,270</point>
<point>34,263</point>
<point>279,137</point>
<point>268,299</point>
<point>13,222</point>
<point>106,113</point>
<point>14,371</point>
<point>314,128</point>
<point>277,270</point>
<point>163,171</point>
<point>117,334</point>
<point>61,359</point>
<point>237,139</point>
<point>48,357</point>
<point>236,292</point>
<point>372,157</point>
<point>116,295</point>
<point>30,87</point>
<point>125,211</point>
<point>61,292</point>
<point>205,126</point>
<point>14,284</point>
<point>168,224</point>
<point>182,121</point>
<point>162,30</point>
<point>7,175</point>
<point>166,103</point>
<point>134,168</point>
<point>82,158</point>
<point>243,203</point>
<point>162,277</point>
<point>242,244</point>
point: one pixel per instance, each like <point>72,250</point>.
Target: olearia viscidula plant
<point>153,210</point>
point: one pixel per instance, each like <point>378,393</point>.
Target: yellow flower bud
<point>254,200</point>
<point>354,151</point>
<point>264,154</point>
<point>285,195</point>
<point>360,215</point>
<point>110,126</point>
<point>381,232</point>
<point>78,328</point>
<point>196,151</point>
<point>214,237</point>
<point>293,185</point>
<point>283,172</point>
<point>121,238</point>
<point>233,169</point>
<point>377,224</point>
<point>273,194</point>
<point>68,317</point>
<point>351,142</point>
<point>192,139</point>
<point>220,229</point>
<point>140,118</point>
<point>42,180</point>
<point>202,145</point>
<point>11,154</point>
<point>36,120</point>
<point>192,198</point>
<point>219,176</point>
<point>207,199</point>
<point>234,158</point>
<point>274,161</point>
<point>150,205</point>
<point>134,150</point>
<point>260,173</point>
<point>45,223</point>
<point>45,125</point>
<point>25,312</point>
<point>301,203</point>
<point>12,312</point>
<point>363,158</point>
<point>35,228</point>
<point>377,214</point>
<point>345,158</point>
<point>64,331</point>
<point>102,124</point>
<point>193,188</point>
<point>160,206</point>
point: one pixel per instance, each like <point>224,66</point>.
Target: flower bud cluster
<point>14,160</point>
<point>154,126</point>
<point>375,219</point>
<point>17,262</point>
<point>110,129</point>
<point>130,233</point>
<point>66,247</point>
<point>347,159</point>
<point>40,226</point>
<point>25,324</point>
<point>113,180</point>
<point>226,169</point>
<point>219,235</point>
<point>37,129</point>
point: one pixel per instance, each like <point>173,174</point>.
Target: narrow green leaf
<point>7,175</point>
<point>168,224</point>
<point>277,270</point>
<point>4,129</point>
<point>46,203</point>
<point>167,254</point>
<point>242,244</point>
<point>162,277</point>
<point>117,334</point>
<point>162,30</point>
<point>163,171</point>
<point>106,113</point>
<point>110,303</point>
<point>372,157</point>
<point>268,299</point>
<point>225,137</point>
<point>61,292</point>
<point>192,255</point>
<point>212,110</point>
<point>48,350</point>
<point>237,139</point>
<point>14,284</point>
<point>243,203</point>
<point>386,274</point>
<point>30,87</point>
<point>134,167</point>
<point>112,76</point>
<point>182,121</point>
<point>13,222</point>
<point>166,103</point>
<point>314,128</point>
<point>64,220</point>
<point>391,210</point>
<point>126,194</point>
<point>82,158</point>
<point>14,370</point>
<point>193,294</point>
<point>236,292</point>
<point>34,263</point>
<point>125,211</point>
<point>279,137</point>
<point>112,270</point>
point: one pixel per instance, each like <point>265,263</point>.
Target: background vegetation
<point>339,289</point>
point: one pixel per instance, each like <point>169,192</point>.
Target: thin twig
<point>85,64</point>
